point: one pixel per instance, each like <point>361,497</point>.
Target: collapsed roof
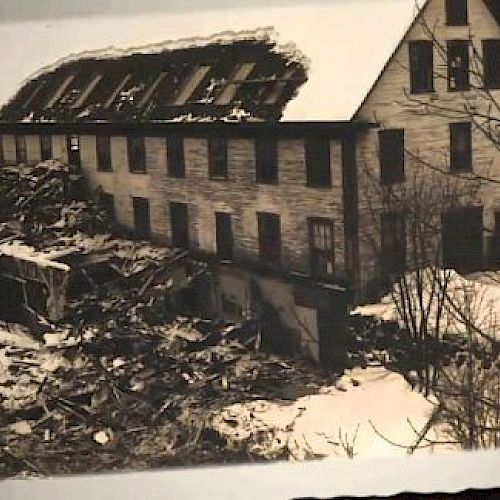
<point>244,75</point>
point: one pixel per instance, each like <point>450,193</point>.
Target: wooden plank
<point>85,94</point>
<point>187,90</point>
<point>60,91</point>
<point>229,92</point>
<point>118,89</point>
<point>147,96</point>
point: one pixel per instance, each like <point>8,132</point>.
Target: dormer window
<point>456,13</point>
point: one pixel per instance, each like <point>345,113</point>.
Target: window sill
<point>267,183</point>
<point>321,187</point>
<point>218,178</point>
<point>138,172</point>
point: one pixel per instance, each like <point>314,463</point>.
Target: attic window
<point>456,13</point>
<point>136,149</point>
<point>458,65</point>
<point>421,66</point>
<point>491,62</point>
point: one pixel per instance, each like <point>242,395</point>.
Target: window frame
<point>416,86</point>
<point>224,237</point>
<point>460,161</point>
<point>136,154</point>
<point>266,160</point>
<point>21,149</point>
<point>176,160</point>
<point>318,255</point>
<point>269,238</point>
<point>397,263</point>
<point>217,157</point>
<point>103,156</point>
<point>46,148</point>
<point>318,163</point>
<point>392,163</point>
<point>488,83</point>
<point>451,9</point>
<point>463,70</point>
<point>143,233</point>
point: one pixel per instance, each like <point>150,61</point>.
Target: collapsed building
<point>184,144</point>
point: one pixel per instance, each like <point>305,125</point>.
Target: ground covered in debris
<point>117,379</point>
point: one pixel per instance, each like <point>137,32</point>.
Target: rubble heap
<point>121,380</point>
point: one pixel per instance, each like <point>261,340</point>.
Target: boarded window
<point>107,201</point>
<point>462,238</point>
<point>266,160</point>
<point>458,65</point>
<point>21,156</point>
<point>318,162</point>
<point>136,149</point>
<point>269,238</point>
<point>179,222</point>
<point>393,239</point>
<point>224,236</point>
<point>103,147</point>
<point>491,62</point>
<point>73,145</point>
<point>142,222</point>
<point>421,66</point>
<point>46,147</point>
<point>175,156</point>
<point>321,247</point>
<point>460,147</point>
<point>217,157</point>
<point>392,156</point>
<point>456,12</point>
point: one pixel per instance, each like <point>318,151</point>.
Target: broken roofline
<point>286,128</point>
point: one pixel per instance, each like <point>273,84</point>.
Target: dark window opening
<point>462,239</point>
<point>269,229</point>
<point>136,149</point>
<point>266,160</point>
<point>421,66</point>
<point>107,201</point>
<point>21,154</point>
<point>2,157</point>
<point>179,223</point>
<point>73,145</point>
<point>217,157</point>
<point>456,13</point>
<point>103,148</point>
<point>318,162</point>
<point>321,245</point>
<point>458,65</point>
<point>460,147</point>
<point>495,242</point>
<point>393,229</point>
<point>46,147</point>
<point>175,156</point>
<point>224,236</point>
<point>142,222</point>
<point>392,156</point>
<point>491,63</point>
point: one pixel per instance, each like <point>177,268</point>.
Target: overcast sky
<point>348,41</point>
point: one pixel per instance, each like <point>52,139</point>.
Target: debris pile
<point>118,379</point>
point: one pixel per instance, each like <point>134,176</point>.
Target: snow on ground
<point>474,298</point>
<point>317,421</point>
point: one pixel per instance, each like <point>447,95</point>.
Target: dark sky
<point>28,10</point>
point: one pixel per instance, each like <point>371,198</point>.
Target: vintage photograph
<point>247,232</point>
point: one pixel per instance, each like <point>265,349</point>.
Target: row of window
<point>392,152</point>
<point>421,53</point>
<point>317,155</point>
<point>321,234</point>
<point>461,240</point>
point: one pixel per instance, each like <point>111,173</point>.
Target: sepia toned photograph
<point>248,232</point>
